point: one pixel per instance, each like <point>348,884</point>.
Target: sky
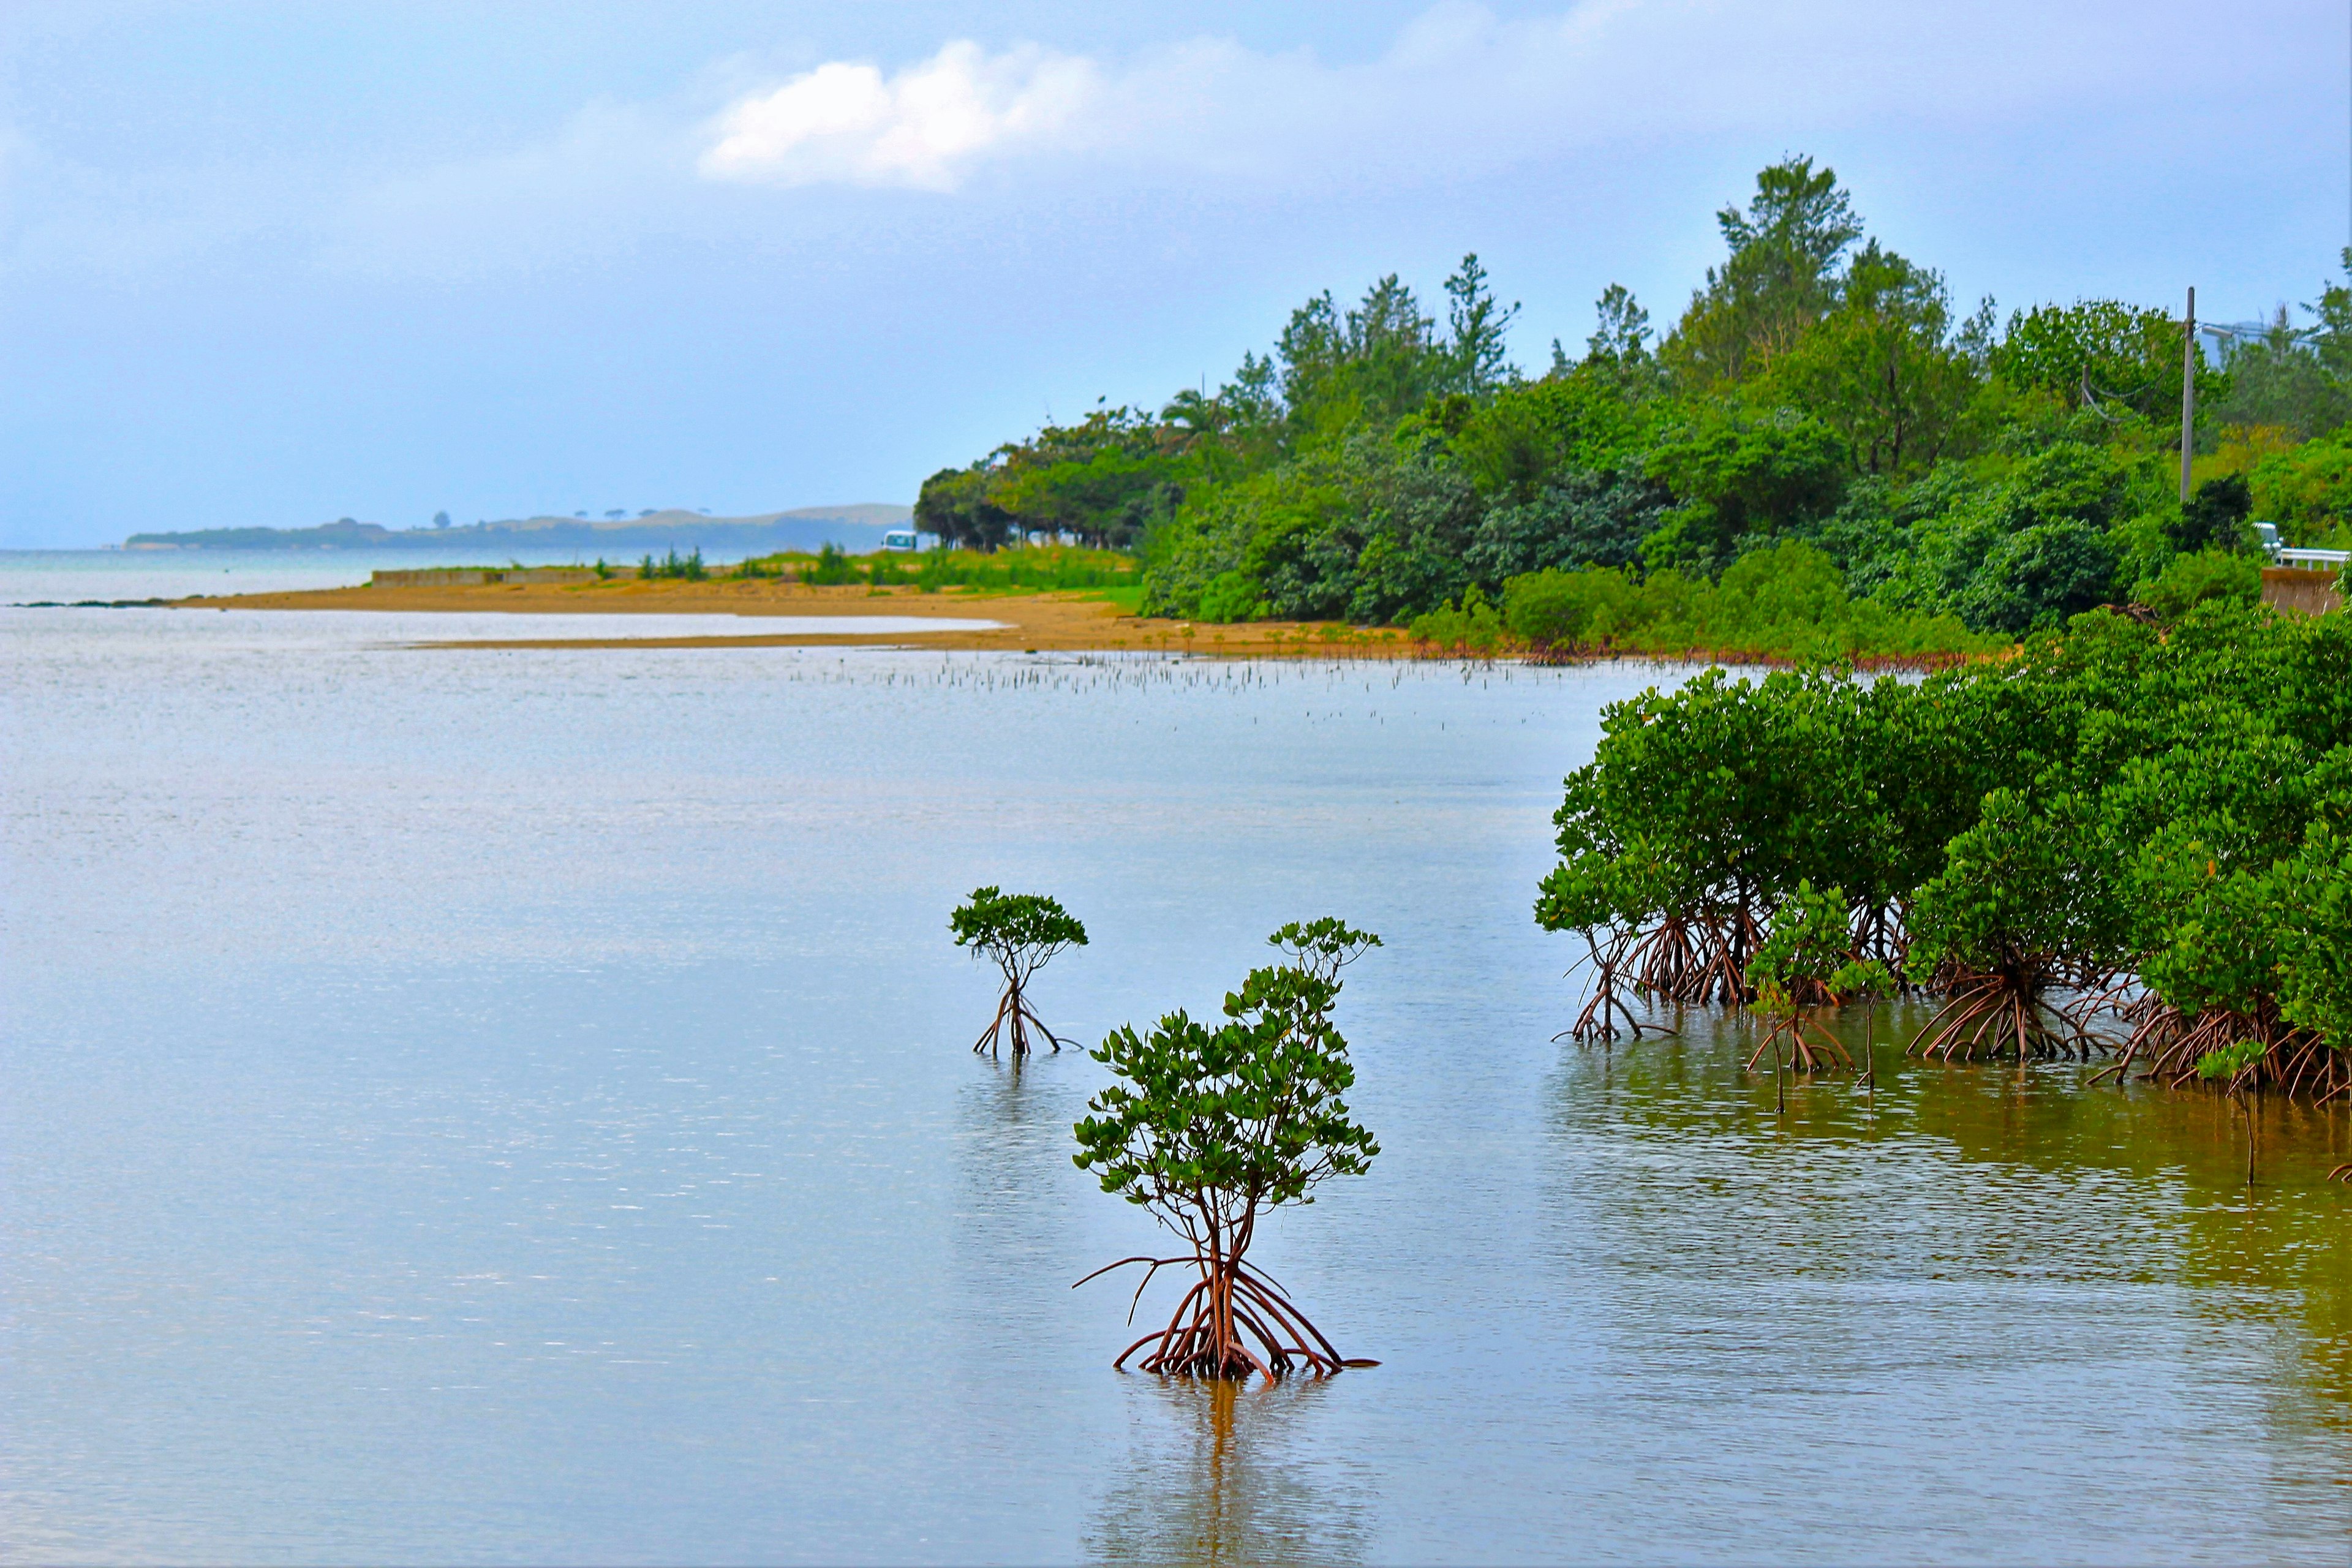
<point>275,264</point>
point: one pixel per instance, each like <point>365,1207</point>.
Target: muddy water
<point>515,1106</point>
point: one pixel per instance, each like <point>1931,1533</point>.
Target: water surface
<point>512,1106</point>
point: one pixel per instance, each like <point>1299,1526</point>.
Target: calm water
<point>513,1106</point>
<point>30,576</point>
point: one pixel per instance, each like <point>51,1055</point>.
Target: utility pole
<point>2187,395</point>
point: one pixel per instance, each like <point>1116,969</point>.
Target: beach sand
<point>1031,622</point>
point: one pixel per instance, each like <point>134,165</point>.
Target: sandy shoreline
<point>1031,622</point>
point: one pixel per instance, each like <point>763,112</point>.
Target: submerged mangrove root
<point>1998,1015</point>
<point>1825,1048</point>
<point>1231,1322</point>
<point>1015,1018</point>
<point>2167,1044</point>
<point>1604,1007</point>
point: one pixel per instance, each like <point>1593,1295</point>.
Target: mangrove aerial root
<point>1604,1007</point>
<point>1694,958</point>
<point>1015,1023</point>
<point>1806,1057</point>
<point>1231,1322</point>
<point>2169,1042</point>
<point>1880,932</point>
<point>1999,1014</point>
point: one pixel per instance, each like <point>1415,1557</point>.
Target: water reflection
<point>2008,1231</point>
<point>1220,1472</point>
<point>1013,1245</point>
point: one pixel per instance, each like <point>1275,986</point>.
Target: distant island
<point>856,527</point>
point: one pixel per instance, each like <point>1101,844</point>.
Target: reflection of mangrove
<point>1234,1490</point>
<point>1955,1168</point>
<point>1010,1245</point>
<point>1021,931</point>
<point>1210,1128</point>
<point>2128,840</point>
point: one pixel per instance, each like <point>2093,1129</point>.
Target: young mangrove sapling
<point>1210,1128</point>
<point>1020,931</point>
<point>1805,946</point>
<point>1864,979</point>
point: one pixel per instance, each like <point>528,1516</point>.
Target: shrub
<point>2210,574</point>
<point>1473,626</point>
<point>1230,596</point>
<point>831,568</point>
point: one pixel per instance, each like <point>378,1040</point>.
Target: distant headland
<point>854,527</point>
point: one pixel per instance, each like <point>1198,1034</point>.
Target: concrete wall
<point>2298,592</point>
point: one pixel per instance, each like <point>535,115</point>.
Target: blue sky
<point>279,263</point>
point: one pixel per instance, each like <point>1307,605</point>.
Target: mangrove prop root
<point>1998,1015</point>
<point>1806,1055</point>
<point>1231,1322</point>
<point>2167,1044</point>
<point>1604,1007</point>
<point>1015,1024</point>
<point>1881,932</point>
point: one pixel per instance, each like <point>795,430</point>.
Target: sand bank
<point>1029,622</point>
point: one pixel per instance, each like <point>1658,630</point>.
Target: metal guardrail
<point>2295,555</point>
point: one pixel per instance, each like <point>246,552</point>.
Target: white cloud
<point>922,126</point>
<point>1457,89</point>
<point>1448,101</point>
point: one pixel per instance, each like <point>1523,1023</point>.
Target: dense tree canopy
<point>2125,837</point>
<point>1962,473</point>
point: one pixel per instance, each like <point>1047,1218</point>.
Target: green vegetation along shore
<point>2124,840</point>
<point>1822,454</point>
<point>1031,569</point>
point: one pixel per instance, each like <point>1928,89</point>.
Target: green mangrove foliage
<point>1209,1128</point>
<point>1020,931</point>
<point>2124,839</point>
<point>1788,601</point>
<point>1952,477</point>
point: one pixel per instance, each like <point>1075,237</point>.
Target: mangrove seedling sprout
<point>1020,931</point>
<point>1805,946</point>
<point>1866,980</point>
<point>2229,1064</point>
<point>1210,1128</point>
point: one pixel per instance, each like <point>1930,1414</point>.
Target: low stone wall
<point>470,577</point>
<point>2299,592</point>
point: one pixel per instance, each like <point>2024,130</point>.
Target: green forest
<point>1823,456</point>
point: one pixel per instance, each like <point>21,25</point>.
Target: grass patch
<point>1031,569</point>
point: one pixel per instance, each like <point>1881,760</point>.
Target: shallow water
<point>513,1106</point>
<point>30,576</point>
